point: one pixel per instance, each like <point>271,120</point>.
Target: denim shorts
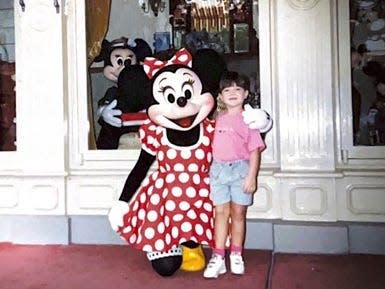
<point>226,182</point>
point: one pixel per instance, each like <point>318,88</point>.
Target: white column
<point>303,53</point>
<point>41,127</point>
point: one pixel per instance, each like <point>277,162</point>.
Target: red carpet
<point>110,267</point>
<point>119,267</point>
<point>292,271</point>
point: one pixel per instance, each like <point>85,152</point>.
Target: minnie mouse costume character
<point>172,211</point>
<point>172,206</point>
<point>119,109</point>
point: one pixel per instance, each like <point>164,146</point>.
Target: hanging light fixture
<point>155,5</point>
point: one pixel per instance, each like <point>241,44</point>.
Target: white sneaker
<point>215,267</point>
<point>237,266</point>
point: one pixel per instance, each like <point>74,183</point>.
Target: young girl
<point>233,173</point>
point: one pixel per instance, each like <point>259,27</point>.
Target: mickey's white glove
<point>257,118</point>
<point>117,211</point>
<point>108,113</point>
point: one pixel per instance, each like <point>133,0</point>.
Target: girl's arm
<point>250,182</point>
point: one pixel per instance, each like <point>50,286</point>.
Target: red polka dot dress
<point>173,204</point>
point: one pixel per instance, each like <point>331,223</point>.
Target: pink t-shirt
<point>233,139</point>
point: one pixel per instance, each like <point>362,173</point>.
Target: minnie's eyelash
<point>162,89</point>
<point>190,81</point>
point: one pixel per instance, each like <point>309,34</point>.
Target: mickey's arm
<point>257,118</point>
<point>134,179</point>
<point>107,108</point>
<point>109,96</point>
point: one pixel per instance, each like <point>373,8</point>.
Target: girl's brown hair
<point>232,77</point>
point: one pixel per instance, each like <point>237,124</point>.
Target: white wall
<point>128,19</point>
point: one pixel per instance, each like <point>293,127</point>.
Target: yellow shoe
<point>193,259</point>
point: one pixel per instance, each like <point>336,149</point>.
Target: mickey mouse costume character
<point>172,211</point>
<point>119,109</point>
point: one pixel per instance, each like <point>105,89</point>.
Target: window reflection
<point>176,27</point>
<point>367,29</point>
<point>7,78</point>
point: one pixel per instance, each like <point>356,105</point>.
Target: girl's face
<point>233,96</point>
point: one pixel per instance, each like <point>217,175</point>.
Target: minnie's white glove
<point>115,216</point>
<point>257,118</point>
<point>108,113</point>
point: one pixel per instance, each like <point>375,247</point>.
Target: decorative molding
<point>9,196</point>
<point>366,199</point>
<point>302,4</point>
<point>92,194</point>
<point>309,195</point>
<point>96,196</point>
<point>44,197</point>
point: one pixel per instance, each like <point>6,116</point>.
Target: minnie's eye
<point>188,88</point>
<point>168,93</point>
<point>187,94</point>
<point>171,98</point>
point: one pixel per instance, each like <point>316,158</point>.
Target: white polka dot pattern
<point>173,204</point>
<point>179,167</point>
<point>184,178</point>
<point>191,214</point>
<point>190,192</point>
<point>176,191</point>
<point>185,154</point>
<point>196,179</point>
<point>192,167</point>
<point>171,154</point>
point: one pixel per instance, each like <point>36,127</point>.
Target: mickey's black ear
<point>104,54</point>
<point>373,68</point>
<point>142,49</point>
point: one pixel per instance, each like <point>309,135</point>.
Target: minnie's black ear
<point>133,89</point>
<point>104,54</point>
<point>209,65</point>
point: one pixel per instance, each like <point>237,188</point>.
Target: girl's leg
<point>221,225</point>
<point>216,266</point>
<point>238,231</point>
<point>238,224</point>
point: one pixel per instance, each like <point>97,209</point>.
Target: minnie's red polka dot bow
<point>152,65</point>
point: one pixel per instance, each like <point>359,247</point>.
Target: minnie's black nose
<point>181,101</point>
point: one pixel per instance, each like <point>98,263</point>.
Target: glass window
<point>229,28</point>
<point>87,83</point>
<point>367,42</point>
